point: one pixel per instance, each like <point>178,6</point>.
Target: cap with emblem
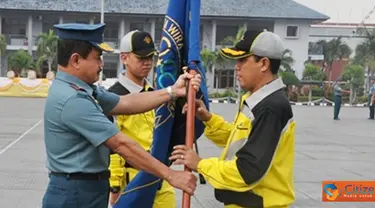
<point>264,44</point>
<point>92,33</point>
<point>138,42</point>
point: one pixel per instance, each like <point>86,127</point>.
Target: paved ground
<point>325,150</point>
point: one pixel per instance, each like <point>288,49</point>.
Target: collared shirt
<point>139,127</point>
<point>255,168</point>
<point>372,89</point>
<point>75,125</point>
<point>132,86</point>
<point>337,90</point>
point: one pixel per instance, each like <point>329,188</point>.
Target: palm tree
<point>47,48</point>
<point>333,50</point>
<point>3,47</point>
<point>287,61</point>
<point>233,40</point>
<point>365,55</point>
<point>208,59</point>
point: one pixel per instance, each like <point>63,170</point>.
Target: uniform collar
<point>65,77</point>
<point>132,86</point>
<point>263,92</point>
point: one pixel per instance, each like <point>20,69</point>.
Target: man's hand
<point>179,88</point>
<point>113,198</point>
<point>201,111</point>
<point>183,180</point>
<point>183,155</point>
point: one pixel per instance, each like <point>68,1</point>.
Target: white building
<point>345,18</point>
<point>21,21</point>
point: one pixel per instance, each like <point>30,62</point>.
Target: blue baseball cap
<point>92,33</point>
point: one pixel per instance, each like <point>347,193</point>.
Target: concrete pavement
<point>325,150</point>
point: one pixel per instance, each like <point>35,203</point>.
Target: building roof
<point>226,8</point>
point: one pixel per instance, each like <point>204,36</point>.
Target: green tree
<point>233,40</point>
<point>208,59</point>
<point>355,76</point>
<point>47,48</point>
<point>333,50</point>
<point>3,47</point>
<point>289,78</point>
<point>312,73</point>
<point>287,61</point>
<point>20,61</point>
<point>365,54</point>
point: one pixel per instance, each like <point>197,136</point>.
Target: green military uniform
<point>75,130</point>
<point>337,100</point>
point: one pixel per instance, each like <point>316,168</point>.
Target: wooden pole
<point>190,131</point>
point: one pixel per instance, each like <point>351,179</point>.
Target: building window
<point>223,31</point>
<point>292,31</point>
<point>315,48</point>
<point>224,78</point>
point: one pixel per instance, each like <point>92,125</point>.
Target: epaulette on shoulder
<point>79,89</point>
<point>76,87</point>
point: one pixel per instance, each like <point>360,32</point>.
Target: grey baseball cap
<point>263,44</point>
<point>138,42</point>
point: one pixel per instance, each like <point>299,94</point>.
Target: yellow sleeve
<point>117,169</point>
<point>120,121</point>
<point>117,163</point>
<point>218,130</point>
<point>222,174</point>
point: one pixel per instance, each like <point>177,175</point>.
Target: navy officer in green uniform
<point>370,102</point>
<point>337,99</point>
<point>78,136</point>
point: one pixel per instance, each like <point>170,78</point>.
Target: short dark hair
<point>274,64</point>
<point>65,48</point>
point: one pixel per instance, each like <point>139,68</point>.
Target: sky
<point>343,11</point>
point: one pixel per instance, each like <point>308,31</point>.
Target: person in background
<point>337,93</point>
<point>137,51</point>
<point>370,102</point>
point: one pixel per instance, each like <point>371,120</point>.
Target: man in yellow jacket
<point>137,51</point>
<point>255,168</point>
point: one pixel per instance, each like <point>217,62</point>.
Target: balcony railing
<point>16,39</point>
<point>19,40</point>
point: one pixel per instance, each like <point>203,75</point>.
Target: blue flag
<point>180,46</point>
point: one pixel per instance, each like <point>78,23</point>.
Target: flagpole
<point>101,21</point>
<point>190,131</point>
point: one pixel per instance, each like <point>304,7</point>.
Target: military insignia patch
<point>147,40</point>
<point>105,47</point>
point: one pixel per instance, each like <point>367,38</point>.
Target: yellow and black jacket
<point>138,127</point>
<point>255,168</point>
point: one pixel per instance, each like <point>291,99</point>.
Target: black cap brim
<point>146,52</point>
<point>234,53</point>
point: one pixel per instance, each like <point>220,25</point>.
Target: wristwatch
<point>170,93</point>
